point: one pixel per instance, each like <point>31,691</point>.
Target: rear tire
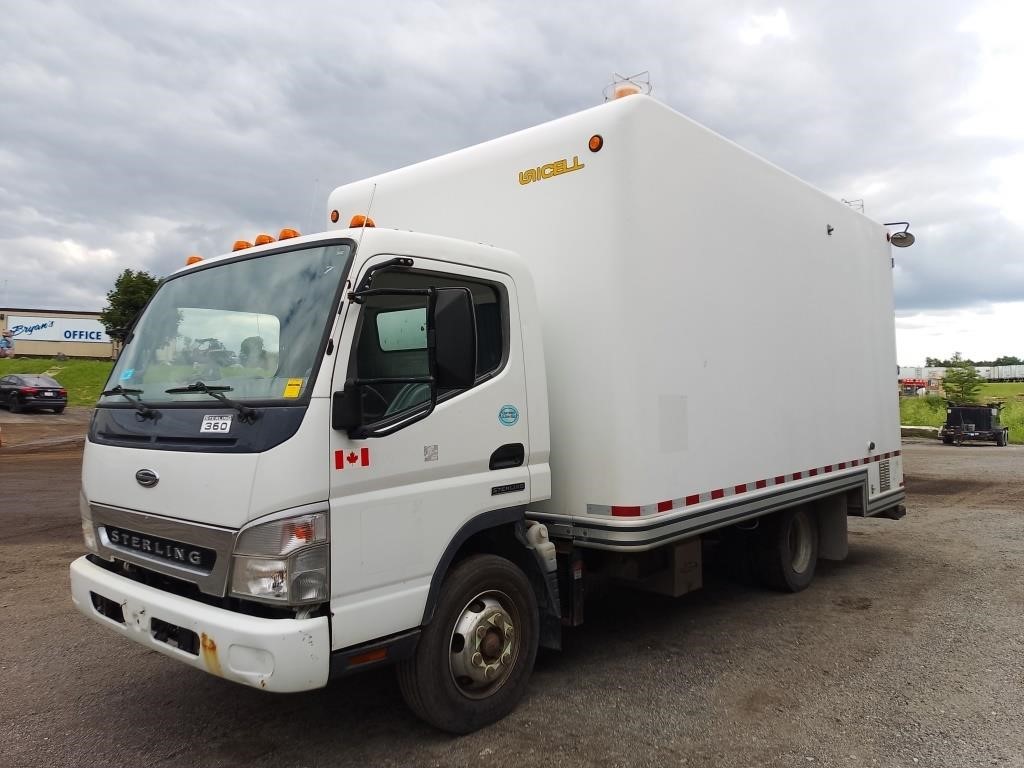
<point>947,441</point>
<point>474,658</point>
<point>12,403</point>
<point>788,549</point>
<point>59,411</point>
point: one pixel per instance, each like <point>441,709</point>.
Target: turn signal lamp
<point>595,143</point>
<point>193,259</point>
<point>361,221</point>
<point>335,215</point>
<point>241,245</point>
<point>286,234</point>
<point>263,239</point>
<point>302,530</point>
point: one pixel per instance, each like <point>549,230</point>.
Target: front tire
<point>474,659</point>
<point>788,549</point>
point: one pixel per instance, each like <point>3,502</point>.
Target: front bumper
<point>282,655</point>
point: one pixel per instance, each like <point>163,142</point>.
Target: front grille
<point>195,553</point>
<point>884,476</point>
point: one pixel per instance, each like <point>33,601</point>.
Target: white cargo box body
<point>664,263</point>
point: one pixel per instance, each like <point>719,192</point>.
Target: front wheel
<point>474,658</point>
<point>1000,438</point>
<point>788,549</point>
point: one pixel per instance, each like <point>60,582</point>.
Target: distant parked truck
<point>973,422</point>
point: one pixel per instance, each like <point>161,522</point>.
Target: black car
<point>28,390</point>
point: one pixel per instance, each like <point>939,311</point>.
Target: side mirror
<point>347,408</point>
<point>454,324</point>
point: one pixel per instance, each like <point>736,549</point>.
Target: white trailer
<point>438,429</point>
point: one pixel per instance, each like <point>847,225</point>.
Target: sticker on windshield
<point>508,415</point>
<point>127,373</point>
<point>218,424</point>
<point>292,388</point>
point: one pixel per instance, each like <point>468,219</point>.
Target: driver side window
<point>392,341</point>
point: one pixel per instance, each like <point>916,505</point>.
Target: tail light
<point>63,391</point>
<point>28,390</point>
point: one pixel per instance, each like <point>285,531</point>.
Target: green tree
<point>962,382</point>
<point>125,300</point>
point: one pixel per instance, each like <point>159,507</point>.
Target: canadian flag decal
<point>360,459</point>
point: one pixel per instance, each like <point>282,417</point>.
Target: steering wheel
<point>371,394</point>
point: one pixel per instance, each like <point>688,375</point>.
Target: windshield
<point>251,325</point>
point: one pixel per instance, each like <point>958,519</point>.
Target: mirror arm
<point>359,294</point>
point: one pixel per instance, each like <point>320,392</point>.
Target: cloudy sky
<point>133,134</point>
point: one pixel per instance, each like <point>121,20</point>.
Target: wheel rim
<point>800,543</point>
<point>484,644</point>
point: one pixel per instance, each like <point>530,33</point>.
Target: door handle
<point>509,455</point>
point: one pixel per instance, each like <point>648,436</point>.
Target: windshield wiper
<point>144,411</point>
<point>245,414</point>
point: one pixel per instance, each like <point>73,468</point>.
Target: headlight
<point>283,561</point>
<point>88,532</point>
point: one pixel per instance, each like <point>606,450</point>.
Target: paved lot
<point>908,654</point>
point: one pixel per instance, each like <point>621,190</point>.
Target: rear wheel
<point>947,441</point>
<point>59,410</point>
<point>788,549</point>
<point>474,658</point>
<point>12,403</point>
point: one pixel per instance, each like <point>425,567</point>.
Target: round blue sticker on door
<point>508,415</point>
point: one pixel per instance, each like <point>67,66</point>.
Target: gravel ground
<point>34,430</point>
<point>907,654</point>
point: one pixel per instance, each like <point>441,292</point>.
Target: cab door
<point>397,501</point>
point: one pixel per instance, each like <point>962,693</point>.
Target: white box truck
<point>420,442</point>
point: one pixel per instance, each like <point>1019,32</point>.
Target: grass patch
<point>923,411</point>
<point>83,379</point>
<point>931,411</point>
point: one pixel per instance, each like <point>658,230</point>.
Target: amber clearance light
<point>263,239</point>
<point>241,245</point>
<point>361,221</point>
<point>287,233</point>
<point>193,259</point>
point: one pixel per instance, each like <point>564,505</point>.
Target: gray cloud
<point>135,134</point>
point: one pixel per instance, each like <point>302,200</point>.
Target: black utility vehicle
<point>973,422</point>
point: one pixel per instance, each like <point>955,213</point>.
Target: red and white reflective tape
<point>735,490</point>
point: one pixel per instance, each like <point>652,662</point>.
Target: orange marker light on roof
<point>262,239</point>
<point>193,259</point>
<point>241,245</point>
<point>335,215</point>
<point>361,221</point>
<point>287,233</point>
<point>595,143</point>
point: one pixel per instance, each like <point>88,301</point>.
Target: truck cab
<point>240,516</point>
